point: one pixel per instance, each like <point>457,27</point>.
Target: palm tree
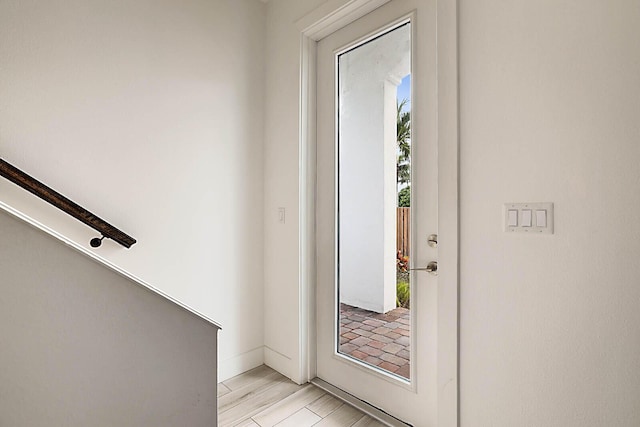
<point>403,128</point>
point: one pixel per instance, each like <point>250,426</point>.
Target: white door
<point>376,77</point>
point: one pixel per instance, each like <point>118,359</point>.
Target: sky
<point>404,92</point>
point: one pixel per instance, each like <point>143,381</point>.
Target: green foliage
<point>404,198</point>
<point>403,294</point>
<point>403,133</point>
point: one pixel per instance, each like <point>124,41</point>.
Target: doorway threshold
<point>372,411</point>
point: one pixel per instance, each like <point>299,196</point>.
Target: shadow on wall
<point>92,347</point>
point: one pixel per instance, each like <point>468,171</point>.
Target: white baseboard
<point>242,363</point>
<point>280,363</point>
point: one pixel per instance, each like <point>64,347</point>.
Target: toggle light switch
<point>541,218</point>
<point>526,217</point>
<point>513,218</point>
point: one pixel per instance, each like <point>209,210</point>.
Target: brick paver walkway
<point>381,340</point>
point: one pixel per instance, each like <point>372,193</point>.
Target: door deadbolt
<point>431,268</point>
<point>432,240</point>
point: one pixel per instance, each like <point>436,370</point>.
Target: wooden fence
<point>403,230</point>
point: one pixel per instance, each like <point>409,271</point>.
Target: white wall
<point>150,114</point>
<point>281,185</point>
<point>549,99</point>
<point>550,325</point>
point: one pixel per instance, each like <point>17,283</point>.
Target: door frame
<point>314,26</point>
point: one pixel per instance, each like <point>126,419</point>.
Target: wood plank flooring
<point>264,398</point>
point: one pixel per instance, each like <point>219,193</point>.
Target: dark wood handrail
<point>56,199</point>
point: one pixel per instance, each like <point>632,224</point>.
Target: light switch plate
<point>531,211</point>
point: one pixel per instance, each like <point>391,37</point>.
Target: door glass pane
<point>374,181</point>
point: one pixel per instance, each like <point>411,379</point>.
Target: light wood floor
<point>264,398</point>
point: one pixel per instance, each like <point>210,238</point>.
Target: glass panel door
<point>373,207</point>
<point>377,171</point>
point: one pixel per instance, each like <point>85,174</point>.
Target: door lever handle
<point>431,268</point>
